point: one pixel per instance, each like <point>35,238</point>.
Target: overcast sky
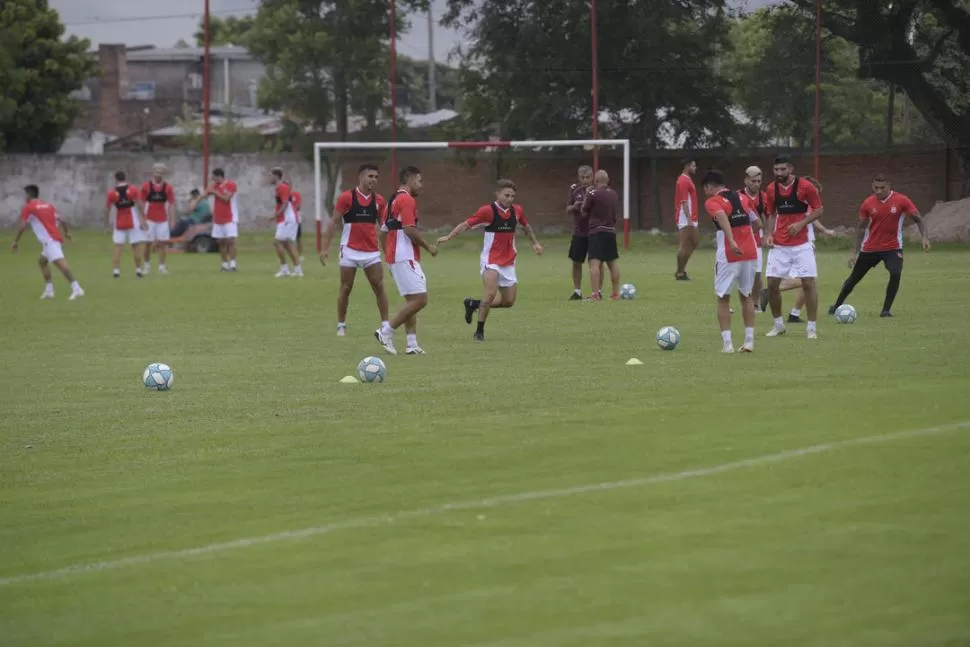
<point>150,22</point>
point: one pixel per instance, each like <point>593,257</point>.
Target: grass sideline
<point>861,545</point>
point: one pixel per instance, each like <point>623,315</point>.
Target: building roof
<point>188,54</point>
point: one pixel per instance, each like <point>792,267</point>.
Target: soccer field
<point>529,491</point>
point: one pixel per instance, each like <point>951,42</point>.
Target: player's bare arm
<point>917,217</point>
<point>768,239</point>
<point>64,228</point>
<point>328,234</point>
<point>457,231</point>
<point>412,232</point>
<point>725,224</point>
<point>107,218</point>
<point>20,232</point>
<point>860,234</point>
<point>804,222</point>
<point>536,247</point>
<point>822,228</point>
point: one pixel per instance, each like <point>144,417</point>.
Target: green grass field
<point>529,491</point>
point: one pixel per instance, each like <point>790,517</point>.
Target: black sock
<point>891,289</point>
<point>474,304</point>
<point>481,328</point>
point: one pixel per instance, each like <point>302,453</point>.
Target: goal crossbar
<point>623,144</point>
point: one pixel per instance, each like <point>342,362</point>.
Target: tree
<point>920,46</point>
<point>526,71</point>
<point>38,72</point>
<point>224,31</point>
<point>226,137</point>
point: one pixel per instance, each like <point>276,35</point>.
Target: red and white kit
<point>158,197</point>
<point>287,222</point>
<point>42,218</point>
<point>403,257</point>
<point>884,231</point>
<point>792,256</point>
<point>756,206</point>
<point>731,268</point>
<point>358,239</point>
<point>225,215</point>
<point>498,250</point>
<point>685,192</point>
<point>127,222</point>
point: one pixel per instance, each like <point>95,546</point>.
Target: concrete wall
<point>454,189</point>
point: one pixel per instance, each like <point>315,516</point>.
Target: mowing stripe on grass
<point>496,501</point>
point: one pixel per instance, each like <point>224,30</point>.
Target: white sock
<point>779,323</point>
<point>297,268</point>
<point>412,341</point>
<point>726,336</point>
<point>748,335</point>
<point>161,266</point>
<point>147,266</point>
<point>232,263</point>
<point>810,327</point>
<point>577,291</point>
<point>284,268</point>
<point>74,286</point>
<point>796,312</point>
<point>49,286</point>
<point>116,272</point>
<point>386,328</point>
<point>225,265</point>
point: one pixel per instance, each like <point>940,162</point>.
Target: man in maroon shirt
<point>600,208</point>
<point>579,245</point>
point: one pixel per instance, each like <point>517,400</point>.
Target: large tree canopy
<point>527,69</point>
<point>38,72</point>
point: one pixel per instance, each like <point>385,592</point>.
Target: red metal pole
<point>594,47</point>
<point>393,74</point>
<point>206,82</point>
<point>818,86</point>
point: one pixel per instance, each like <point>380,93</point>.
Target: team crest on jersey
<point>892,210</point>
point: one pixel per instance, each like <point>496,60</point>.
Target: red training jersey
<point>42,218</point>
<point>122,198</point>
<point>685,191</point>
<point>499,223</point>
<point>402,211</point>
<point>297,201</point>
<point>739,218</point>
<point>225,208</point>
<point>158,196</point>
<point>791,203</point>
<point>757,205</point>
<point>884,229</point>
<point>361,213</point>
<point>284,201</point>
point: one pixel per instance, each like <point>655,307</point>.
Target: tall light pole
<point>432,83</point>
<point>206,83</point>
<point>594,46</point>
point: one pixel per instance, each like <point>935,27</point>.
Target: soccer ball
<point>371,369</point>
<point>668,337</point>
<point>845,314</point>
<point>627,291</point>
<point>158,377</point>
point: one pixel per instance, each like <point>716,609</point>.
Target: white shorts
<point>132,236</point>
<point>409,278</point>
<point>797,262</point>
<point>229,230</point>
<point>286,230</point>
<point>355,258</point>
<point>760,260</point>
<point>158,232</point>
<point>506,274</point>
<point>726,275</point>
<point>52,251</point>
<point>683,221</point>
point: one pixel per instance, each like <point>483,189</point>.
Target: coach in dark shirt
<point>601,206</point>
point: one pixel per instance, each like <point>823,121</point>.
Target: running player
<point>42,218</point>
<point>225,217</point>
<point>402,253</point>
<point>497,264</point>
<point>793,204</point>
<point>158,201</point>
<point>286,225</point>
<point>685,206</point>
<point>128,224</point>
<point>736,258</point>
<point>880,239</point>
<point>297,201</point>
<point>579,244</point>
<point>358,211</point>
<point>600,209</point>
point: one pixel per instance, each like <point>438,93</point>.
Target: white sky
<point>163,23</point>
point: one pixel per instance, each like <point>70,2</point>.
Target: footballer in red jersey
<point>42,218</point>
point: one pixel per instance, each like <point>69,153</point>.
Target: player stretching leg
<point>358,211</point>
<point>128,225</point>
<point>402,252</point>
<point>158,203</point>
<point>685,206</point>
<point>286,225</point>
<point>579,244</point>
<point>880,237</point>
<point>793,204</point>
<point>225,217</point>
<point>736,258</point>
<point>600,209</point>
<point>42,218</point>
<point>499,219</point>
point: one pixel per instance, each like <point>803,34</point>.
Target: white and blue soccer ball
<point>668,337</point>
<point>845,314</point>
<point>158,377</point>
<point>371,369</point>
<point>628,291</point>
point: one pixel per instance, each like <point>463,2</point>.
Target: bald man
<point>600,207</point>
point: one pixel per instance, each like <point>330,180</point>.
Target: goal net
<point>459,176</point>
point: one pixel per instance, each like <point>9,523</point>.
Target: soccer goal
<point>543,170</point>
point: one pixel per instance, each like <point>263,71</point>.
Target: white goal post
<point>320,147</point>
